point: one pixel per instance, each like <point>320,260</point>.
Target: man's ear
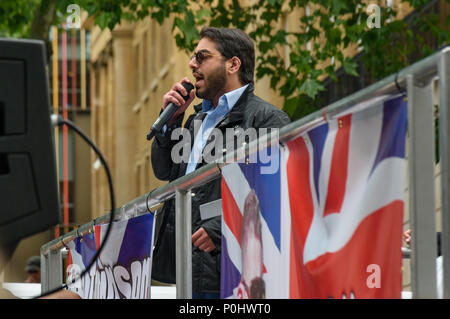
<point>234,64</point>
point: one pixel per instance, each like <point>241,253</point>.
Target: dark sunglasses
<point>201,56</point>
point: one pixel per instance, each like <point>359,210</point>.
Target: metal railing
<point>418,80</point>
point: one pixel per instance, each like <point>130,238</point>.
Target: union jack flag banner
<point>123,269</point>
<point>328,223</point>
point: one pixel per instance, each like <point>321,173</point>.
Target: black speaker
<point>28,181</point>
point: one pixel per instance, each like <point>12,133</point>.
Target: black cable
<point>60,121</point>
<point>397,85</point>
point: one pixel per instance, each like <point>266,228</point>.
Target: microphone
<point>168,112</point>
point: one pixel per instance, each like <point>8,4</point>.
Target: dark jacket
<point>249,111</point>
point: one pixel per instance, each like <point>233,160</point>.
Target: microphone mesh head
<point>188,86</point>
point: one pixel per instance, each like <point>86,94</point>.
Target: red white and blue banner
<point>328,223</point>
<point>123,269</point>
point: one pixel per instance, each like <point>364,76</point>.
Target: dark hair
<point>234,42</point>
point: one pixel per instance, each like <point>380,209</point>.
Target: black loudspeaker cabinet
<point>28,181</point>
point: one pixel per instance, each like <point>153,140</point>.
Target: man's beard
<point>213,84</point>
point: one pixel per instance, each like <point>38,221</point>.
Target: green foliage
<point>296,72</point>
<point>15,17</point>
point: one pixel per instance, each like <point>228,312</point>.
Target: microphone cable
<point>59,120</point>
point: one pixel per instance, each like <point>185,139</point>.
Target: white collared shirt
<point>213,117</point>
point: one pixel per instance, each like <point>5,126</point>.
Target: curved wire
<point>72,125</point>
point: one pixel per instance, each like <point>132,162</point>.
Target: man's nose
<point>193,63</point>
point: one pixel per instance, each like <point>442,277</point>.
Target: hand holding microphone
<point>175,102</point>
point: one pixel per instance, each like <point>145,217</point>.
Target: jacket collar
<point>236,114</point>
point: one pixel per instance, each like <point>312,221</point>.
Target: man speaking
<point>223,66</point>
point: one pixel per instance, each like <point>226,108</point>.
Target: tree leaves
<point>16,17</point>
<point>311,87</point>
<point>295,60</point>
<point>350,66</point>
<point>188,33</point>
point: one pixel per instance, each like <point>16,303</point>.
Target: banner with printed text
<point>328,223</point>
<point>123,269</point>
